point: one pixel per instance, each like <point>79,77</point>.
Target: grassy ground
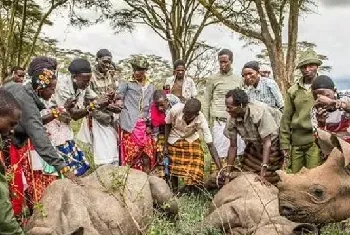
<point>193,209</point>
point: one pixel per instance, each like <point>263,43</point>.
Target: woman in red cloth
<point>31,126</point>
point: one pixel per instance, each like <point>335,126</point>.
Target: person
<point>10,113</point>
<point>259,130</point>
<point>296,134</point>
<point>179,84</point>
<point>17,75</point>
<point>99,127</point>
<point>137,144</point>
<point>265,71</point>
<point>183,146</point>
<point>330,113</point>
<point>261,88</point>
<point>214,108</point>
<point>162,103</point>
<point>42,86</point>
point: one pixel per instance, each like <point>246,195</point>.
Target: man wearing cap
<point>136,143</point>
<point>214,108</point>
<point>330,113</point>
<point>296,133</point>
<point>261,88</point>
<point>179,84</point>
<point>98,129</point>
<point>74,94</point>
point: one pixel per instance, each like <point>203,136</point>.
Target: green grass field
<point>193,209</point>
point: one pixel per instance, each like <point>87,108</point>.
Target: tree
<point>21,23</point>
<point>302,46</point>
<point>158,71</point>
<point>263,21</point>
<point>179,22</point>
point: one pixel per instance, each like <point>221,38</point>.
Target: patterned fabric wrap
<point>252,159</point>
<point>36,180</point>
<point>187,161</point>
<point>132,154</point>
<point>159,169</point>
<point>74,157</point>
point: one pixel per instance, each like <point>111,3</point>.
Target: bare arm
<point>231,154</point>
<point>266,149</point>
<point>214,154</point>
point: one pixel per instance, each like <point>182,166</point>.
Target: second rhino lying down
<point>112,201</point>
<point>245,207</point>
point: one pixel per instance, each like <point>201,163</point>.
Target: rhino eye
<point>319,193</point>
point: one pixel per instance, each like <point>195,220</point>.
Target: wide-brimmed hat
<point>139,62</point>
<point>308,57</point>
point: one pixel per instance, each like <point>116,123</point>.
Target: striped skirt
<point>187,161</point>
<point>252,159</point>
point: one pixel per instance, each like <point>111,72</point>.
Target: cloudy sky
<point>328,28</point>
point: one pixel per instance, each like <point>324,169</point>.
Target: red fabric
<point>131,153</point>
<point>36,180</point>
<point>157,117</point>
<point>340,128</point>
<point>16,183</point>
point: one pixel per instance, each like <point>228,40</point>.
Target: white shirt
<point>180,129</point>
<point>189,89</point>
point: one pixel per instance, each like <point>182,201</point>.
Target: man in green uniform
<point>10,114</point>
<point>296,135</point>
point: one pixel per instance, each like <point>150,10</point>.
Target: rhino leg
<point>162,196</point>
<point>225,218</point>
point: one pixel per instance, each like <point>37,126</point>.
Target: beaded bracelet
<point>64,170</point>
<point>56,112</point>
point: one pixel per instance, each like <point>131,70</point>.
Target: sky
<point>327,28</point>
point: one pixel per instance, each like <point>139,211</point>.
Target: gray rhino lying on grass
<point>245,207</point>
<point>322,194</point>
<point>112,201</point>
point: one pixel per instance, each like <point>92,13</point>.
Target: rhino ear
<point>303,170</point>
<point>282,174</point>
<point>343,147</point>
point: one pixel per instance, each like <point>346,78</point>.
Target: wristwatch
<point>264,165</point>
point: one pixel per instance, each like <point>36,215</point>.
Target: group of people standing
<point>127,121</point>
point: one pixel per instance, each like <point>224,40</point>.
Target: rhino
<point>246,207</point>
<point>319,195</point>
<point>112,201</point>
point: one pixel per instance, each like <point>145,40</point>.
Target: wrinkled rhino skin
<point>112,201</point>
<point>319,195</point>
<point>245,207</point>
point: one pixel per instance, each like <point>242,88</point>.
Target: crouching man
<point>183,146</point>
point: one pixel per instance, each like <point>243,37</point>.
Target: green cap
<point>139,62</point>
<point>308,57</point>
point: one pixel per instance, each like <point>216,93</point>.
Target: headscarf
<point>40,63</point>
<point>322,82</point>
<point>42,79</point>
<point>79,66</point>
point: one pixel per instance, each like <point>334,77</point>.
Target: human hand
<point>64,117</point>
<point>114,108</point>
<point>324,101</point>
<point>262,176</point>
<point>70,103</point>
<point>102,101</point>
<point>71,176</point>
